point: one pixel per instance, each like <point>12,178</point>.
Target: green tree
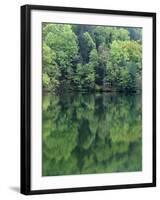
<point>135,33</point>
<point>61,39</point>
<point>124,67</point>
<point>85,77</point>
<point>103,55</point>
<point>107,35</point>
<point>51,72</point>
<point>85,40</point>
<point>88,46</point>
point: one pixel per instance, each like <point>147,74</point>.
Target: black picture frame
<point>25,183</point>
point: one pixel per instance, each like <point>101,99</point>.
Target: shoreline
<point>45,92</point>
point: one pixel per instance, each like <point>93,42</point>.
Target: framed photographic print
<point>88,99</point>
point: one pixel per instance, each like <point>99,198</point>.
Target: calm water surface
<point>91,133</point>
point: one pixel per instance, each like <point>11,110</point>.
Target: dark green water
<point>91,133</point>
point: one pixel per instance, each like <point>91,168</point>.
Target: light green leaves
<point>83,57</point>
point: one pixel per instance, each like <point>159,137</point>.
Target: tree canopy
<point>91,58</point>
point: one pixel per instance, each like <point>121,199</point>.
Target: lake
<point>91,133</point>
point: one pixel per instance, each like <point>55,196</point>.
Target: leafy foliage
<point>124,67</point>
<point>87,57</point>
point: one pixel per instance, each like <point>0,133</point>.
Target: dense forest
<point>91,58</point>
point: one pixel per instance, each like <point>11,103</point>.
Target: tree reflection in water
<point>91,133</point>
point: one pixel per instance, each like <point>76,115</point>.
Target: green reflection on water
<point>91,133</point>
